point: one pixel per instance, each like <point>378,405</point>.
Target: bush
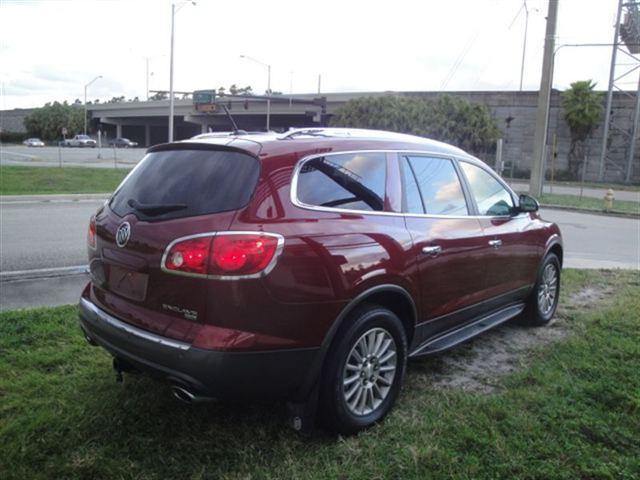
<point>12,137</point>
<point>454,120</point>
<point>47,122</point>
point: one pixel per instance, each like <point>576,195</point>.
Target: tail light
<point>227,255</point>
<point>91,234</point>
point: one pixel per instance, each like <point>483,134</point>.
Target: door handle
<point>495,243</point>
<point>435,250</point>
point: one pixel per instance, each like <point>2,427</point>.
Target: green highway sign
<point>204,97</point>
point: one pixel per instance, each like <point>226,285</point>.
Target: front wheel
<point>364,370</point>
<point>543,301</point>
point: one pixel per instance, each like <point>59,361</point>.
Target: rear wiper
<point>155,208</point>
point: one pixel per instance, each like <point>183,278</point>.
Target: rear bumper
<point>252,375</point>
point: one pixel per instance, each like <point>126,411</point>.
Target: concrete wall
<point>13,120</point>
<point>515,113</point>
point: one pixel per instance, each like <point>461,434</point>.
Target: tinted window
<point>203,181</point>
<point>491,197</point>
<point>439,185</point>
<point>412,203</point>
<point>354,181</point>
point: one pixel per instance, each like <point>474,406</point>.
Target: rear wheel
<point>364,371</point>
<point>543,301</point>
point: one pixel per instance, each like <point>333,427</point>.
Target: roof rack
<point>346,132</point>
<point>318,132</point>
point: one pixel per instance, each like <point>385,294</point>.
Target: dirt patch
<point>587,297</point>
<point>480,364</point>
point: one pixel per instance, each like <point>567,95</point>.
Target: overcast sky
<point>49,49</point>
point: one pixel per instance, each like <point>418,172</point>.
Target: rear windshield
<point>185,183</point>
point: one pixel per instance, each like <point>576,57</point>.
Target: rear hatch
<point>175,191</point>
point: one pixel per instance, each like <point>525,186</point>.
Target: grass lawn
<point>571,409</point>
<point>574,201</point>
<point>614,186</point>
<point>48,180</point>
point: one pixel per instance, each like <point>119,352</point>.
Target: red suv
<point>309,266</point>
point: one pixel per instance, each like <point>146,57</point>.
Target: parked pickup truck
<point>79,141</point>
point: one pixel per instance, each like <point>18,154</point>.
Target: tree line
<point>455,120</point>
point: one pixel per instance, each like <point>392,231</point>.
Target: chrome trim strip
<point>130,329</point>
<point>294,186</point>
<point>263,273</point>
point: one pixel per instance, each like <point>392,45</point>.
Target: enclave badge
<point>122,234</point>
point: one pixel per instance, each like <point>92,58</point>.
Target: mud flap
<point>301,416</point>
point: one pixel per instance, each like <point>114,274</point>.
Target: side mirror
<point>528,204</point>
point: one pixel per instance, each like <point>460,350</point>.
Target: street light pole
<point>147,77</point>
<point>173,14</point>
<point>85,101</point>
<point>268,86</point>
<point>269,93</point>
<point>174,10</point>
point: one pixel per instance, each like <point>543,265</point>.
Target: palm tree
<point>582,110</point>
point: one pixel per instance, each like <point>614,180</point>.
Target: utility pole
<point>544,95</point>
<point>607,112</point>
<point>524,42</point>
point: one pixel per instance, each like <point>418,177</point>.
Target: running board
<point>463,334</point>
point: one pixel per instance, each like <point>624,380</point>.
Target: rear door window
<point>183,183</point>
<point>353,181</point>
<point>492,198</point>
<point>438,184</point>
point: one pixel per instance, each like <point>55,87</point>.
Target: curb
<point>53,198</point>
<point>592,211</point>
<point>40,273</point>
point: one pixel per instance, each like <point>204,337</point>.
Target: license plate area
<point>128,284</point>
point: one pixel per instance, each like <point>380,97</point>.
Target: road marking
<point>32,157</point>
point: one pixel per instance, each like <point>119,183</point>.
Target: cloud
<point>404,45</point>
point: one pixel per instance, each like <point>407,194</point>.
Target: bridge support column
<point>118,130</point>
<point>147,135</point>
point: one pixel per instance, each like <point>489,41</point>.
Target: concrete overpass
<point>147,122</point>
<point>514,112</point>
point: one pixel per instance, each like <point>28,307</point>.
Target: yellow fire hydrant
<point>608,200</point>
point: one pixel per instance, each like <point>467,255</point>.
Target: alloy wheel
<point>369,371</point>
<point>548,288</point>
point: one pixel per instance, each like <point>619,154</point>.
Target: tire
<point>378,382</point>
<point>543,300</point>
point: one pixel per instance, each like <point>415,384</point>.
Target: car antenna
<point>236,130</point>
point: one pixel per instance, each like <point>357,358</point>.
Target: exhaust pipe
<point>187,396</point>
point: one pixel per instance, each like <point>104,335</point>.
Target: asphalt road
<point>72,157</point>
<point>35,235</point>
<point>52,234</point>
<point>39,234</point>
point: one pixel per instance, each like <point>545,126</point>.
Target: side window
<point>491,197</point>
<point>439,186</point>
<point>354,181</point>
<point>411,201</point>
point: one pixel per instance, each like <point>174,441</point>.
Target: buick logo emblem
<point>122,234</point>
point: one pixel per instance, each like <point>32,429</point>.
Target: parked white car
<point>33,142</point>
<point>79,141</point>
